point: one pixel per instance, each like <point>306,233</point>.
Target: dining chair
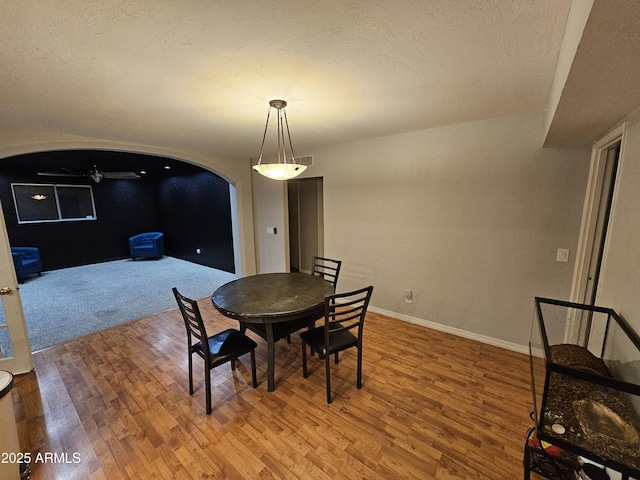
<point>344,315</point>
<point>327,268</point>
<point>215,350</point>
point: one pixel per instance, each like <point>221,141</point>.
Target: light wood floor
<point>432,406</point>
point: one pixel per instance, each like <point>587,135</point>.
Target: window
<point>53,203</point>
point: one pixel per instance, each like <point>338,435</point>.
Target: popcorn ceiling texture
<point>199,75</point>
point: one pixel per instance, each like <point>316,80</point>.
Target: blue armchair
<point>27,261</point>
<point>150,244</point>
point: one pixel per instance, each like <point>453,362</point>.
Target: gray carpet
<point>65,304</point>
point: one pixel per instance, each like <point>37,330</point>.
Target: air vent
<point>307,160</point>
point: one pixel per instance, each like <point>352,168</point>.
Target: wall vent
<point>306,160</point>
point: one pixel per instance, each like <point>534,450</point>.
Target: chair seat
<point>226,345</point>
<point>338,341</point>
<point>343,313</point>
<point>215,350</point>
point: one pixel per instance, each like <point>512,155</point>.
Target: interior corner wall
<point>269,212</point>
<point>469,217</point>
<point>197,203</point>
<point>619,283</point>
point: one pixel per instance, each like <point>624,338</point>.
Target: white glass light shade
<point>280,171</point>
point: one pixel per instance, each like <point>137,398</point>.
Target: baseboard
<point>454,331</point>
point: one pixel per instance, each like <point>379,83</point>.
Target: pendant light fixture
<point>284,168</point>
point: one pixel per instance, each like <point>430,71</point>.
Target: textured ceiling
<point>602,86</point>
<point>199,74</point>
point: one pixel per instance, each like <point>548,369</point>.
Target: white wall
<point>468,216</point>
<point>270,211</point>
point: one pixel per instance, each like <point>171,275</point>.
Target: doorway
<point>306,222</point>
<point>598,207</point>
<point>610,169</point>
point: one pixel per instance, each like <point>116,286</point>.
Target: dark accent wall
<point>196,214</point>
<point>192,209</point>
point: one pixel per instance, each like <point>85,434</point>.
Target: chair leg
<point>233,364</point>
<point>190,375</point>
<point>336,359</point>
<point>304,360</point>
<point>327,362</point>
<point>253,369</point>
<point>359,371</point>
<point>312,324</point>
<point>207,381</point>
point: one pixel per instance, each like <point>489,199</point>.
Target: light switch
<point>562,255</point>
<point>272,230</point>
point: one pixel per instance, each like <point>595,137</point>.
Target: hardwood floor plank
<point>432,406</point>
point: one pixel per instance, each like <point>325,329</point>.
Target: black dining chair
<point>344,315</point>
<point>327,268</point>
<point>215,350</point>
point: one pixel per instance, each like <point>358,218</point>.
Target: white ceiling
<point>199,74</point>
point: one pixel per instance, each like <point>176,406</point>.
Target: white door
<point>15,350</point>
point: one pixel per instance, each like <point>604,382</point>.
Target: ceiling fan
<point>95,174</point>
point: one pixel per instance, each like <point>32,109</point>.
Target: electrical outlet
<point>408,296</point>
<point>562,255</point>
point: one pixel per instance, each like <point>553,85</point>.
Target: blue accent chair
<point>150,244</point>
<point>27,261</point>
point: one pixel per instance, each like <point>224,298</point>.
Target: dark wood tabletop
<point>271,297</point>
<point>272,305</point>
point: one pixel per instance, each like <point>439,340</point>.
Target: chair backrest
<point>192,319</point>
<point>346,311</point>
<point>148,237</point>
<point>327,268</point>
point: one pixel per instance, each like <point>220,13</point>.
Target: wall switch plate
<point>562,255</point>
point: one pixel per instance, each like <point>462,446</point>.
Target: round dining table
<point>273,305</point>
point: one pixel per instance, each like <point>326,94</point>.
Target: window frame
<point>59,208</point>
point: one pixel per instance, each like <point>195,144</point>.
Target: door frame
<point>22,359</point>
<point>591,210</point>
<point>318,204</point>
